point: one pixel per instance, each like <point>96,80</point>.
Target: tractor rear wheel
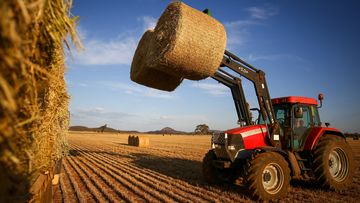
<point>211,174</point>
<point>333,164</point>
<point>268,176</point>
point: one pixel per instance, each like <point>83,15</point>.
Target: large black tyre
<point>211,174</point>
<point>333,164</point>
<point>267,176</point>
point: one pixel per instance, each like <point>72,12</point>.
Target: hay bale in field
<point>141,72</point>
<point>131,140</point>
<point>141,141</point>
<point>33,97</point>
<point>187,42</point>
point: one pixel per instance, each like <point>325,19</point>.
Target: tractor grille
<point>218,138</point>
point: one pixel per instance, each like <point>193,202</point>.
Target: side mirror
<point>321,98</point>
<point>299,112</point>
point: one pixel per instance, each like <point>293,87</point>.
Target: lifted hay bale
<point>141,141</point>
<point>187,42</point>
<point>143,74</point>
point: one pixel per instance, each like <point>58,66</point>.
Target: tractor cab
<point>296,116</point>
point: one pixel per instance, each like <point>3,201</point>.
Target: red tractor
<point>287,141</point>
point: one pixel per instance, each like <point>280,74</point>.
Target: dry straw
<point>141,141</point>
<point>138,141</point>
<point>150,77</point>
<point>33,97</point>
<point>187,42</point>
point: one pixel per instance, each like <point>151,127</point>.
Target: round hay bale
<point>142,141</point>
<point>141,73</point>
<point>187,42</point>
<point>131,140</point>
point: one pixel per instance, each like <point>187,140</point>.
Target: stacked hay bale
<point>33,97</point>
<point>138,141</point>
<point>186,43</point>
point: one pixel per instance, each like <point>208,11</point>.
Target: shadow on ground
<point>186,170</point>
<point>75,152</point>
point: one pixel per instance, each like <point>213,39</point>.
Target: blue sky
<point>304,47</point>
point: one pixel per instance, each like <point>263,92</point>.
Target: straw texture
<point>141,141</point>
<point>143,74</point>
<point>33,97</point>
<point>138,141</point>
<point>187,42</point>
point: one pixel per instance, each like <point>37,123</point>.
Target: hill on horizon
<point>107,129</point>
<point>167,130</point>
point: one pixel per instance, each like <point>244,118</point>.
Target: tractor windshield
<point>281,113</point>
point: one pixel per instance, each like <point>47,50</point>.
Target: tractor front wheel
<point>268,176</point>
<point>333,164</point>
<point>211,174</point>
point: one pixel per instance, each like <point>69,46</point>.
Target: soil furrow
<point>92,183</point>
<point>180,185</point>
<point>67,188</point>
<point>129,185</point>
<point>74,182</point>
<point>164,188</point>
<point>152,178</point>
<point>128,195</point>
<point>213,194</point>
<point>136,186</point>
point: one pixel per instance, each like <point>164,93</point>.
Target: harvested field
<point>103,167</point>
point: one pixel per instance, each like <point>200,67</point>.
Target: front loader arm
<point>257,77</point>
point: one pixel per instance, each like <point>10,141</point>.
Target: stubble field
<point>103,168</point>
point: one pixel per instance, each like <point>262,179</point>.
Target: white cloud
<point>262,13</point>
<point>115,51</point>
<point>238,31</point>
<point>82,33</point>
<point>119,50</point>
<point>211,88</point>
<point>149,22</point>
<point>138,90</point>
<point>94,117</point>
<point>83,85</point>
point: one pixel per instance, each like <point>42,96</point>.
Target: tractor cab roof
<point>294,99</point>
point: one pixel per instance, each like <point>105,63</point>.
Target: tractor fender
<point>244,154</point>
<point>316,133</point>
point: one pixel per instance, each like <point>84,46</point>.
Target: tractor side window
<point>306,116</point>
<point>301,125</point>
<point>315,116</point>
<point>280,115</point>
